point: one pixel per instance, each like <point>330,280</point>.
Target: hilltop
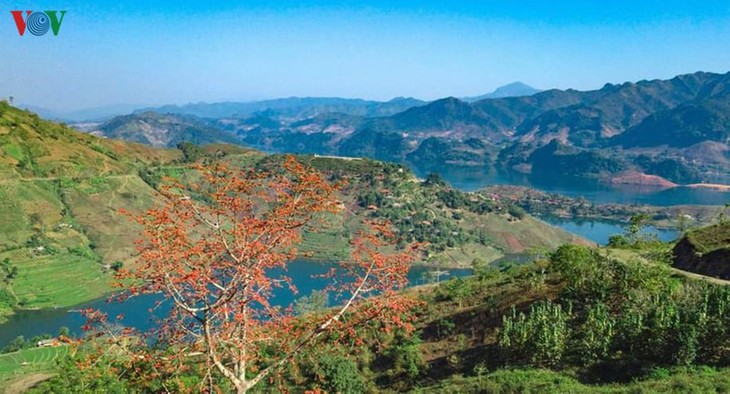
<point>705,251</point>
<point>31,147</point>
<point>514,89</point>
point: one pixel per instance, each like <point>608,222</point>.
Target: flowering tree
<point>212,252</point>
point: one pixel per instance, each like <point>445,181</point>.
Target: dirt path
<point>34,179</point>
<point>626,255</point>
<point>25,382</point>
<point>114,193</point>
<point>709,279</point>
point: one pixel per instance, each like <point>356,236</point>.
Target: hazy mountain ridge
<point>293,107</point>
<point>96,114</point>
<point>165,130</point>
<point>683,121</point>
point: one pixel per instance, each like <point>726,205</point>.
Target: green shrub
<point>455,289</point>
<point>596,334</point>
<point>539,338</point>
<point>339,374</point>
<point>406,358</point>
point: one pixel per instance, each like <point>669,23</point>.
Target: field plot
<point>60,280</point>
<point>13,365</point>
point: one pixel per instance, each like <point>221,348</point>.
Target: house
<point>53,342</point>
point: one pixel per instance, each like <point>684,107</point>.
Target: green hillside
<point>33,148</point>
<point>60,194</point>
<point>711,238</point>
<point>62,191</point>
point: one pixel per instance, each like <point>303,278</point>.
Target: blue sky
<point>144,52</point>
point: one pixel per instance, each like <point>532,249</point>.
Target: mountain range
<point>676,129</point>
<point>292,106</point>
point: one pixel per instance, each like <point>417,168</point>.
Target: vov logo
<point>38,23</point>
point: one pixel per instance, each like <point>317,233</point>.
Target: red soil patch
<point>513,243</point>
<point>639,178</point>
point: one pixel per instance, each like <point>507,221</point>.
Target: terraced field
<point>324,246</point>
<point>58,281</point>
<point>14,365</point>
<point>329,242</point>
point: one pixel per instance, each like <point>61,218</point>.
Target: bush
<point>19,343</point>
<point>406,358</point>
<point>339,374</point>
<point>455,289</point>
<point>6,298</point>
<point>540,338</point>
<point>517,212</point>
<point>618,241</point>
<point>588,275</point>
<point>597,333</point>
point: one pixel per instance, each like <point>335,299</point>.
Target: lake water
<point>599,232</point>
<point>136,310</point>
<point>475,178</point>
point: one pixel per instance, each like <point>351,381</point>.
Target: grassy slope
<point>33,148</point>
<point>59,194</point>
<point>711,238</point>
<point>544,381</point>
<point>60,199</point>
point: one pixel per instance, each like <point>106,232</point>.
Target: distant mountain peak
<point>514,89</point>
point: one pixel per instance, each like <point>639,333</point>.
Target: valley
<point>498,185</point>
<point>343,197</point>
<point>65,222</point>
